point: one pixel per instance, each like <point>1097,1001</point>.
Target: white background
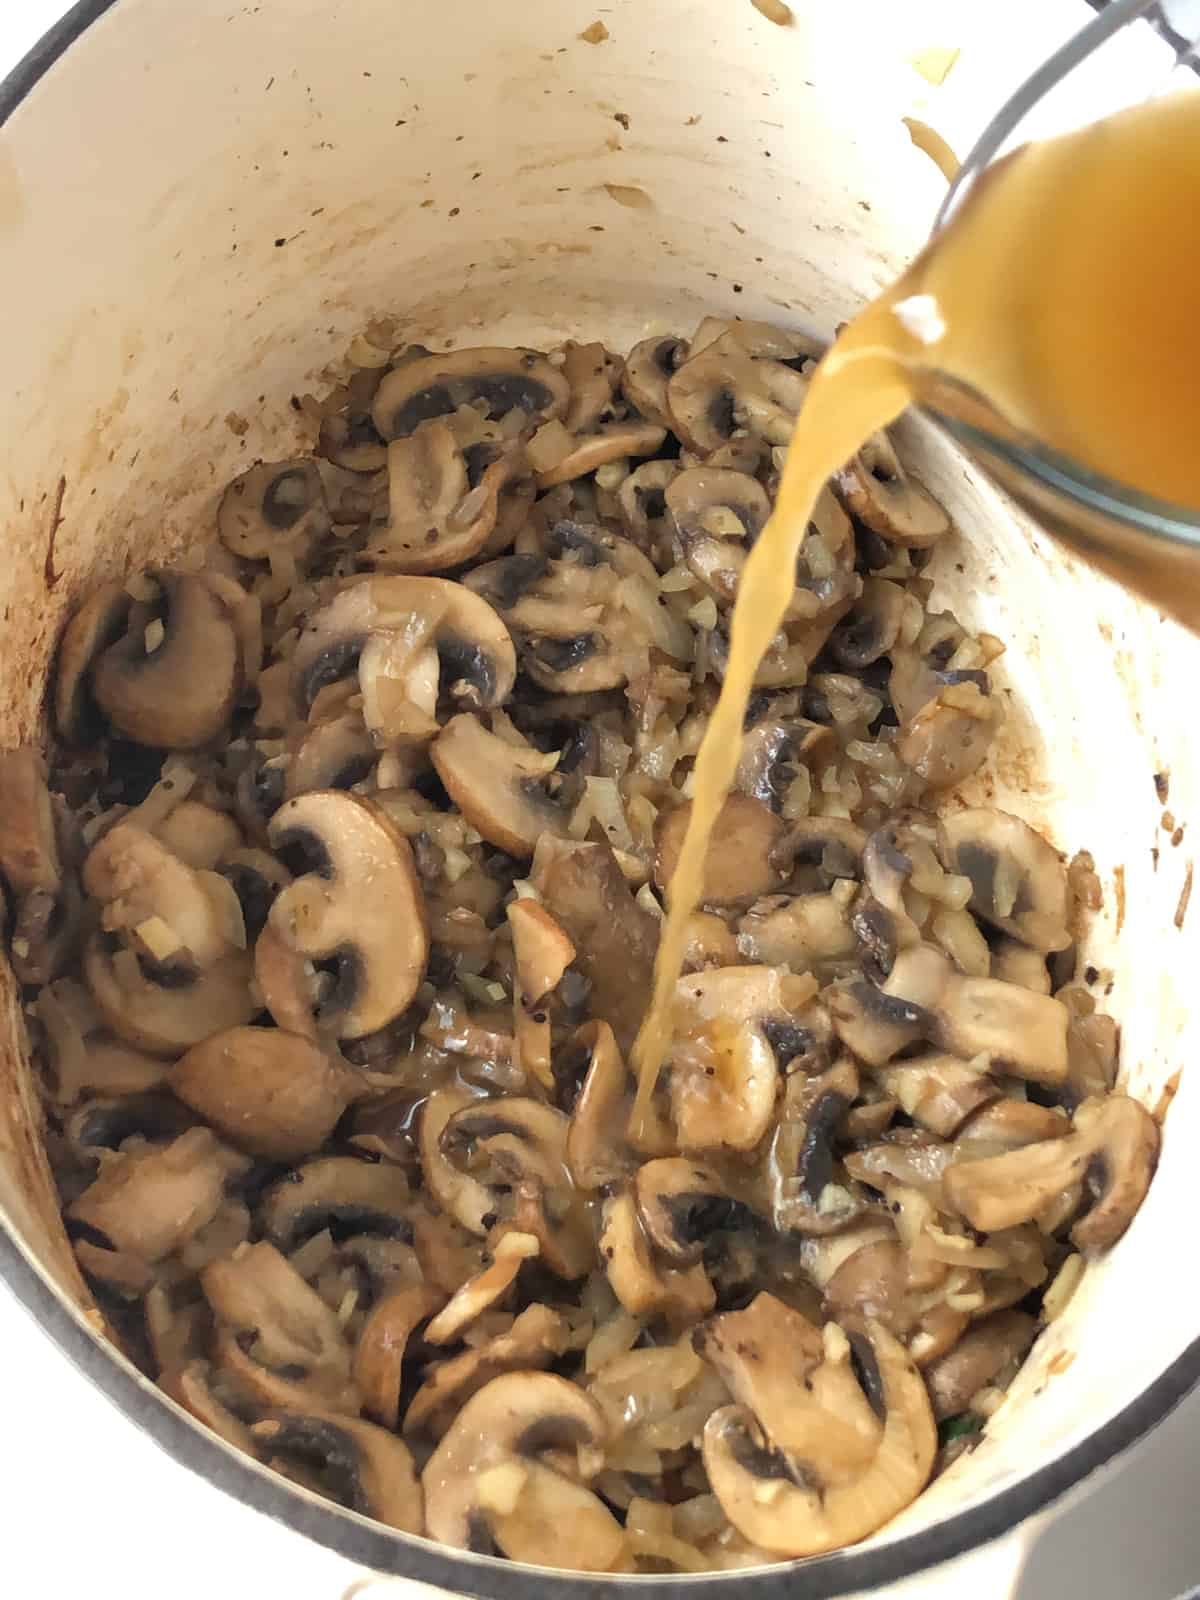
<point>83,1492</point>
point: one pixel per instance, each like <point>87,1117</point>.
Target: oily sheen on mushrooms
<point>336,901</point>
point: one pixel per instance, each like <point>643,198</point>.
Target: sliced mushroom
<point>97,624</point>
<point>150,1201</point>
<point>808,1189</point>
<point>383,1344</point>
<point>596,1149</point>
<point>499,381</point>
<point>870,629</point>
<point>1018,880</point>
<point>360,907</point>
<point>179,693</point>
<point>615,937</point>
<point>1114,1148</point>
<point>739,863</point>
<point>272,1093</point>
<point>805,932</point>
<point>168,1013</point>
<point>509,1424</point>
<point>938,1091</point>
<point>276,504</point>
<point>724,1073</point>
<point>195,1387</point>
<point>682,1204</point>
<point>1020,1032</point>
<point>612,441</point>
<point>500,788</point>
<point>949,737</point>
<point>834,1484</point>
<point>410,639</point>
<point>744,378</point>
<point>649,367</point>
<point>1013,962</point>
<point>718,515</point>
<point>537,1337</point>
<point>199,835</point>
<point>341,1194</point>
<point>471,1299</point>
<point>980,1357</point>
<point>542,952</point>
<point>277,1337</point>
<point>642,499</point>
<point>36,869</point>
<point>443,499</point>
<point>357,1465</point>
<point>876,488</point>
<point>645,1287</point>
<point>172,915</point>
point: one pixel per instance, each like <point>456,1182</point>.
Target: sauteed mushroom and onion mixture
<point>336,908</point>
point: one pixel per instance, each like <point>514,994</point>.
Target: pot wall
<point>199,207</point>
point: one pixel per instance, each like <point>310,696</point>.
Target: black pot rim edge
<point>823,1578</point>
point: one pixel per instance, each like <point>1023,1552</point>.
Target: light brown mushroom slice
<point>643,1286</point>
<point>710,943</point>
<point>462,1196</point>
<point>979,1358</point>
<point>382,1345</point>
<point>876,488</point>
<point>592,373</point>
<point>804,932</point>
<point>681,1203</point>
<point>156,903</point>
<point>806,1185</point>
<point>939,1091</point>
<point>361,906</point>
<point>199,835</point>
<point>1125,1141</point>
<point>167,1021</point>
<point>1020,1032</point>
<point>437,518</point>
<point>194,1388</point>
<point>283,981</point>
<point>341,1194</point>
<point>949,738</point>
<point>720,508</point>
<point>273,504</point>
<point>649,367</point>
<point>542,952</point>
<point>272,1093</point>
<point>739,380</point>
<point>615,937</point>
<point>724,1074</point>
<point>549,1520</point>
<point>334,753</point>
<point>739,864</point>
<point>1013,962</point>
<point>277,1338</point>
<point>537,1337</point>
<point>642,500</point>
<point>178,692</point>
<point>1018,880</point>
<point>596,1149</point>
<point>392,620</point>
<point>612,441</point>
<point>500,380</point>
<point>827,1506</point>
<point>148,1202</point>
<point>98,623</point>
<point>877,1021</point>
<point>468,1303</point>
<point>509,1423</point>
<point>30,858</point>
<point>1009,1125</point>
<point>362,1467</point>
<point>499,787</point>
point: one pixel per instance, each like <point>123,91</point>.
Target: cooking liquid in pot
<point>1057,292</point>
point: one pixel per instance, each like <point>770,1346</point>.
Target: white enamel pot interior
<point>201,203</point>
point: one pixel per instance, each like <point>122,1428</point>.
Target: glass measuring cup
<point>1149,545</point>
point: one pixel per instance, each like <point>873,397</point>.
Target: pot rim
<point>373,1546</point>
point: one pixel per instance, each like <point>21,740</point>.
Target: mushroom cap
<point>743,378</point>
<point>180,695</point>
<point>149,1202</point>
<point>1018,879</point>
<point>343,1194</point>
<point>362,1467</point>
<point>167,1020</point>
<point>443,499</point>
<point>272,1093</point>
<point>739,863</point>
<point>784,1504</point>
<point>272,505</point>
<point>681,1204</point>
<point>475,655</point>
<point>541,949</point>
<point>499,787</point>
<point>517,1415</point>
<point>383,1344</point>
<point>875,487</point>
<point>597,1154</point>
<point>613,441</point>
<point>644,1286</point>
<point>436,385</point>
<point>648,369</point>
<point>361,905</point>
<point>95,625</point>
